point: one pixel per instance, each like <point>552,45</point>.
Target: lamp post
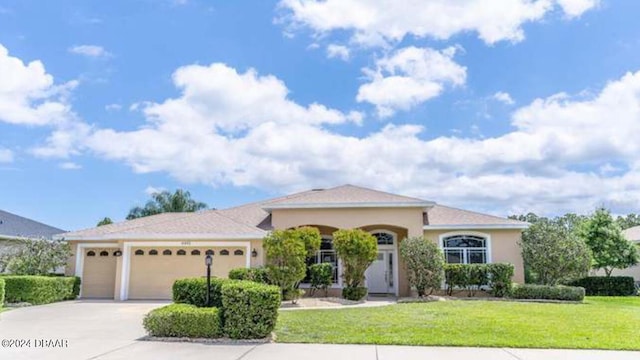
<point>208,260</point>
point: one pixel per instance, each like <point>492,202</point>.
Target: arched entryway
<point>383,275</point>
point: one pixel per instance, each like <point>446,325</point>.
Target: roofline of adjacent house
<point>201,236</point>
<point>20,238</point>
<point>475,226</point>
<point>392,204</point>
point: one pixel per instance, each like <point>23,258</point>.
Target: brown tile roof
<point>440,215</point>
<point>633,234</point>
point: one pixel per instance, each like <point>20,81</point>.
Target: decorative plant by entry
<point>357,249</point>
<point>424,262</point>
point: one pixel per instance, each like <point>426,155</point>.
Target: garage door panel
<point>99,273</point>
<point>152,276</point>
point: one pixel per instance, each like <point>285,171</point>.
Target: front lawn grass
<point>599,323</point>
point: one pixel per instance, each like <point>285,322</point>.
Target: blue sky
<point>498,106</point>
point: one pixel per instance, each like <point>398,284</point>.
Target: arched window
<point>224,252</point>
<point>383,238</point>
<point>91,253</point>
<point>238,252</point>
<point>166,252</point>
<point>104,253</point>
<point>195,252</point>
<point>465,249</point>
<point>181,252</point>
<point>209,252</point>
<point>153,252</point>
<point>139,252</point>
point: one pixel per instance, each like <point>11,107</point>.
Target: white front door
<point>380,274</point>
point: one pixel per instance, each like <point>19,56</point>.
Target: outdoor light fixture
<point>254,253</point>
<point>208,260</point>
<point>117,253</point>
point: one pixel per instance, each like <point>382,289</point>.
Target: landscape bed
<point>598,323</point>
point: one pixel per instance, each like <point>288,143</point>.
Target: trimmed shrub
<point>183,320</point>
<point>194,291</point>
<point>607,286</point>
<point>424,262</point>
<point>250,310</point>
<point>320,277</point>
<point>469,277</point>
<point>259,275</point>
<point>354,293</point>
<point>499,276</point>
<point>38,290</point>
<point>357,249</point>
<point>547,292</point>
<point>1,292</point>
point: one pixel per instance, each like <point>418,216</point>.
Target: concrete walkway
<point>111,330</point>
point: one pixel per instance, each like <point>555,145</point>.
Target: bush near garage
<point>250,310</point>
<point>194,291</point>
<point>1,292</point>
<point>259,275</point>
<point>607,286</point>
<point>548,292</point>
<point>38,290</point>
<point>184,320</point>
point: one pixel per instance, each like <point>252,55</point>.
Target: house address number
<point>186,243</point>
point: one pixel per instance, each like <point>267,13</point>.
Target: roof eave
<point>421,204</point>
<point>475,226</point>
<point>203,236</point>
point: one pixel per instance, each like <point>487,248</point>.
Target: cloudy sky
<point>502,106</point>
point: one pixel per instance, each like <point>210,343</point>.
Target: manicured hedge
<point>472,277</point>
<point>545,292</point>
<point>1,292</point>
<point>500,275</point>
<point>607,286</point>
<point>250,310</point>
<point>354,293</point>
<point>184,320</point>
<point>259,275</point>
<point>194,291</point>
<point>38,290</point>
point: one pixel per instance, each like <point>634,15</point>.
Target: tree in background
<point>552,253</point>
<point>628,221</point>
<point>357,249</point>
<point>38,257</point>
<point>610,249</point>
<point>425,263</point>
<point>164,201</point>
<point>105,221</point>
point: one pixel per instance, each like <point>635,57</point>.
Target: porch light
<point>254,253</point>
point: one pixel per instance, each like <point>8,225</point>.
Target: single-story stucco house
<point>14,229</point>
<point>141,258</point>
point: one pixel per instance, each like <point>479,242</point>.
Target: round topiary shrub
<point>354,293</point>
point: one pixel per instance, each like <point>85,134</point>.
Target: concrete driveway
<point>109,330</point>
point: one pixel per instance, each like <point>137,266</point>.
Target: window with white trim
<point>465,249</point>
<point>326,254</point>
<point>383,238</point>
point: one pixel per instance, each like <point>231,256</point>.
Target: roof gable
<point>15,226</point>
<point>443,217</point>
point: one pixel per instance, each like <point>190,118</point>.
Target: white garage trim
<point>80,257</point>
<point>126,255</point>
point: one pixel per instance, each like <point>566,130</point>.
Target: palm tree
<point>164,201</point>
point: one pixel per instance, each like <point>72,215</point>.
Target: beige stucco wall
<point>503,243</point>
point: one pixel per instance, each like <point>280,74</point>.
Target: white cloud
<point>376,22</point>
<point>503,97</point>
<point>113,107</point>
<point>408,77</point>
<point>69,165</point>
<point>6,155</point>
<point>338,51</point>
<point>93,51</point>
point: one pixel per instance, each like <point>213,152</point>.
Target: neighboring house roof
<point>445,217</point>
<point>346,196</point>
<point>253,220</point>
<point>13,226</point>
<point>633,234</point>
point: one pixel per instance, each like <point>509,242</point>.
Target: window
<point>326,254</point>
<point>383,238</point>
<point>465,249</point>
<point>238,252</point>
<point>181,252</point>
<point>153,252</point>
<point>104,253</point>
<point>195,252</point>
<point>209,252</point>
<point>224,252</point>
<point>91,253</point>
<point>139,252</point>
<point>166,252</point>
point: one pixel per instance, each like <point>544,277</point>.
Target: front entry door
<point>380,274</point>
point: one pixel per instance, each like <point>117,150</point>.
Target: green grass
<point>599,323</point>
